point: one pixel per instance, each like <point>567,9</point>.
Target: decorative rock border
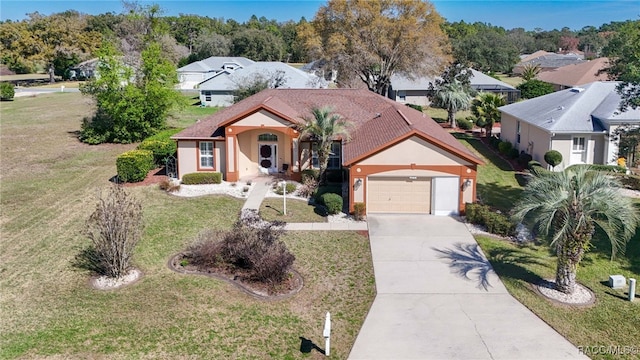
<point>172,265</point>
<point>107,283</point>
<point>543,288</point>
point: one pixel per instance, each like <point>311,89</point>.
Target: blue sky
<point>528,14</point>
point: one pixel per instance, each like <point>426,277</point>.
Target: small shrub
<point>505,147</point>
<point>553,157</point>
<point>414,106</point>
<point>333,202</point>
<point>359,211</point>
<point>206,251</point>
<point>133,165</point>
<point>310,173</point>
<point>308,187</point>
<point>513,153</point>
<point>465,124</point>
<point>245,189</point>
<point>202,178</point>
<point>524,159</point>
<point>335,189</point>
<point>531,164</point>
<point>7,91</point>
<point>249,182</point>
<point>494,142</point>
<point>161,149</point>
<point>495,223</point>
<point>291,187</point>
<point>114,228</point>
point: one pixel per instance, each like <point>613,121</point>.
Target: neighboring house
<point>218,90</point>
<point>319,68</point>
<point>416,91</point>
<point>569,76</point>
<point>83,71</point>
<point>547,61</point>
<point>398,160</point>
<point>189,76</point>
<point>577,122</point>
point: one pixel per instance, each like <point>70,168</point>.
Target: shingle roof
<point>552,60</point>
<point>377,121</point>
<point>479,81</point>
<point>576,74</point>
<point>576,110</point>
<point>215,63</point>
<point>294,78</point>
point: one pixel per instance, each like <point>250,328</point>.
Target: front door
<point>267,157</point>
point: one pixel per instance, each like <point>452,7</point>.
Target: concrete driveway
<point>439,298</point>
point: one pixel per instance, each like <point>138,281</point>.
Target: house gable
<point>262,118</point>
<point>413,150</point>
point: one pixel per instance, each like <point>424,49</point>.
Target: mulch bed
<point>154,176</point>
<point>284,290</point>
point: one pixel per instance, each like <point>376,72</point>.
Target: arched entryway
<point>268,152</point>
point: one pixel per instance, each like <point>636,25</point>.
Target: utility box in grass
<point>617,281</point>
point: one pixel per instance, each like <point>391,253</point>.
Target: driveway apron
<point>439,298</point>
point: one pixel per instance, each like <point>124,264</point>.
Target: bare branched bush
<point>115,228</point>
<point>253,244</point>
<point>308,186</point>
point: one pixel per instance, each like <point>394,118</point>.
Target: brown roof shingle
<point>377,121</point>
<point>576,74</point>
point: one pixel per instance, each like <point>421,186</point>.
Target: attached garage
<point>399,195</point>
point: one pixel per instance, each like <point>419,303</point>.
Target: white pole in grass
<point>327,335</point>
<point>632,289</point>
<point>284,197</point>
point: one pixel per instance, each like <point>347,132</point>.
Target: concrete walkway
<point>257,194</point>
<point>439,298</point>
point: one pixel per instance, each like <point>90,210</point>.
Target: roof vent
<point>377,115</point>
<point>560,107</point>
<point>577,89</point>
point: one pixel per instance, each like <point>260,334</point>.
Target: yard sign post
<point>327,335</point>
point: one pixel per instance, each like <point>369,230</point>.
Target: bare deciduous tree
<point>115,227</point>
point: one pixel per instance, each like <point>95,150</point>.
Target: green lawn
<point>297,211</point>
<point>519,266</point>
<point>441,115</point>
<point>47,310</point>
<point>498,185</point>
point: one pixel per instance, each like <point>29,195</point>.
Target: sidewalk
<point>261,188</point>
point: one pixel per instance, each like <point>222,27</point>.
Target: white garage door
<point>399,195</point>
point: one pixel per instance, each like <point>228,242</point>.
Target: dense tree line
<point>62,39</point>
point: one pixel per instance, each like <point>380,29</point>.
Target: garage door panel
<point>399,195</point>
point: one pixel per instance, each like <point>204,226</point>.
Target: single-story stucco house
<point>573,75</point>
<point>397,160</point>
<point>577,122</point>
<point>218,90</point>
<point>416,91</point>
<point>190,75</point>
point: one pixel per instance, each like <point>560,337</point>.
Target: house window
<point>267,137</point>
<point>578,144</point>
<point>207,95</point>
<point>335,156</point>
<point>402,96</point>
<point>518,132</point>
<point>206,154</point>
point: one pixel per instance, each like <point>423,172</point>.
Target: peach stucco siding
<point>187,157</point>
<point>248,157</point>
<point>264,119</point>
<point>413,151</point>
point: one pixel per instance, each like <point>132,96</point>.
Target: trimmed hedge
<point>333,202</point>
<point>414,106</point>
<point>600,167</point>
<point>202,178</point>
<point>291,187</point>
<point>465,124</point>
<point>531,164</point>
<point>553,157</point>
<point>495,223</point>
<point>134,165</point>
<point>161,149</point>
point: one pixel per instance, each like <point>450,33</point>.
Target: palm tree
<point>323,129</point>
<point>453,97</point>
<point>485,109</point>
<point>568,207</point>
<point>530,71</point>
